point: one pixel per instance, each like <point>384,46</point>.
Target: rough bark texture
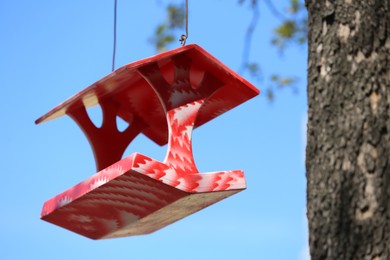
<point>348,145</point>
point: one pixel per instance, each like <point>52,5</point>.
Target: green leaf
<point>176,16</point>
<point>287,29</point>
<point>295,6</point>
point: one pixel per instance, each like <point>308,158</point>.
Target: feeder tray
<point>164,97</point>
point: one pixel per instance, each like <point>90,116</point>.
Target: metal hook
<point>183,39</point>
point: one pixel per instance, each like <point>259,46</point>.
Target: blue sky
<point>53,49</point>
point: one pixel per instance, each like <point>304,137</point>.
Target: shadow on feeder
<point>163,97</point>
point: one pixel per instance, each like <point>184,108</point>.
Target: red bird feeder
<point>164,97</point>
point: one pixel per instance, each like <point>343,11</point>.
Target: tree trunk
<point>348,135</point>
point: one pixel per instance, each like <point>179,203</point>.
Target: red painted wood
<point>136,195</point>
<point>164,97</point>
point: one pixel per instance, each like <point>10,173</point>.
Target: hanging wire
<point>114,51</point>
<point>184,37</point>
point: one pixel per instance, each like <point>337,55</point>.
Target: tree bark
<point>348,135</point>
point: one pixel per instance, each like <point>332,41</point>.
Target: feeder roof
<point>135,97</point>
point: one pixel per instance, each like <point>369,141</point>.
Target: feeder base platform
<point>137,195</point>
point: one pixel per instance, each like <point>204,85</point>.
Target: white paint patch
<point>64,201</point>
<point>99,182</point>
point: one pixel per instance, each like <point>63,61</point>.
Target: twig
<point>248,38</point>
<point>275,11</point>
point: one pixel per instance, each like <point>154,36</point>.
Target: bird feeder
<point>163,97</point>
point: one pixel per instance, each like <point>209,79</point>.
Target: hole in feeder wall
<point>95,113</point>
<point>121,124</point>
